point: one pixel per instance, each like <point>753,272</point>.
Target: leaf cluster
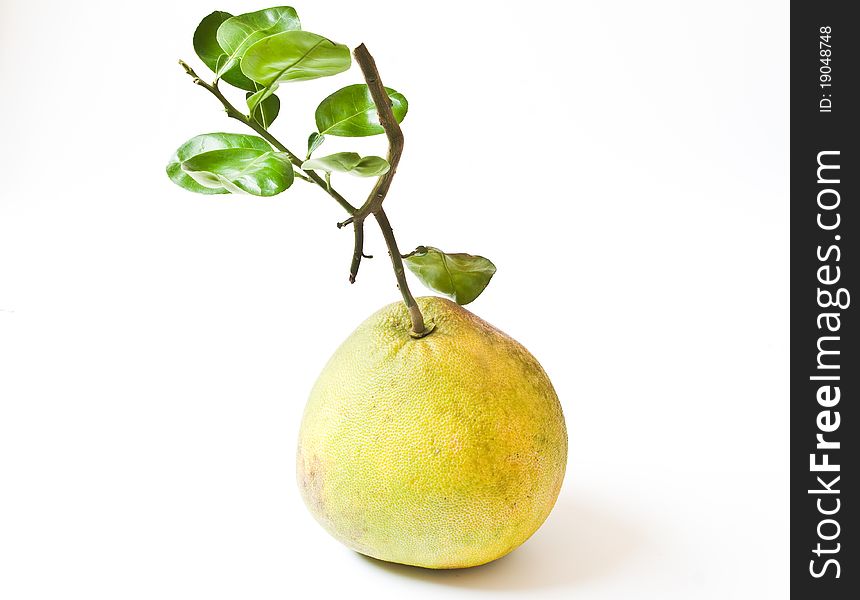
<point>258,53</point>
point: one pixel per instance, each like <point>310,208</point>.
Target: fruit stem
<point>373,204</point>
<point>418,327</point>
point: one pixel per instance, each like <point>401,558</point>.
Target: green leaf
<point>314,141</point>
<point>461,277</point>
<point>210,52</point>
<point>350,112</point>
<point>242,170</point>
<point>371,166</point>
<point>349,162</point>
<point>292,56</point>
<point>205,44</point>
<point>237,34</point>
<point>264,112</point>
<point>260,95</point>
<point>206,143</point>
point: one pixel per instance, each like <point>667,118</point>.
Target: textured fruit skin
<point>446,451</point>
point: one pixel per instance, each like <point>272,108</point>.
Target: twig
<point>389,124</point>
<point>418,327</point>
<point>373,204</point>
<point>301,175</point>
<point>357,250</point>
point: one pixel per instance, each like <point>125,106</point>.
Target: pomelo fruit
<point>446,451</point>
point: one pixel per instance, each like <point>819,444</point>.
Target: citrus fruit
<point>445,451</point>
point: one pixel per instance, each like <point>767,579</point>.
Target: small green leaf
<point>349,162</point>
<point>242,170</point>
<point>461,277</point>
<point>205,44</point>
<point>206,143</point>
<point>292,56</point>
<point>314,141</point>
<point>341,161</point>
<point>260,95</point>
<point>264,112</point>
<point>210,52</point>
<point>371,166</point>
<point>350,112</point>
<point>236,34</point>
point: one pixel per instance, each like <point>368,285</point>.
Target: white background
<point>623,163</point>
